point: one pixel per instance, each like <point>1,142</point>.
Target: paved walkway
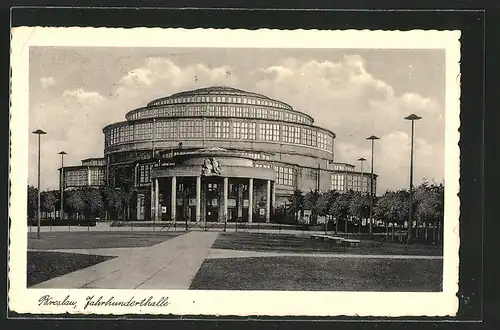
<point>223,253</point>
<point>168,265</point>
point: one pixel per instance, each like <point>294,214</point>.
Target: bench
<point>351,242</point>
<point>328,238</point>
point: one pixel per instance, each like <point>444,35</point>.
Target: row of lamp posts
<point>40,132</point>
<point>372,138</point>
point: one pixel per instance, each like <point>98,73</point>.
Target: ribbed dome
<point>218,91</point>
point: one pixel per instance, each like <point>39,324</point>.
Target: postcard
<point>234,172</point>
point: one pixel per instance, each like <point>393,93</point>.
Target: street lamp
<point>411,117</point>
<point>362,160</point>
<point>39,132</point>
<point>372,138</point>
<point>61,186</point>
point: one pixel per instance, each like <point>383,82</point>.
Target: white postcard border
<point>273,303</point>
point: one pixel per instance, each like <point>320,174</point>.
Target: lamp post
<point>61,186</point>
<point>361,160</point>
<point>372,139</point>
<point>412,118</point>
<point>38,132</point>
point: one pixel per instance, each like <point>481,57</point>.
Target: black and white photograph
<point>234,172</point>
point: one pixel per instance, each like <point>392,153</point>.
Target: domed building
<point>215,154</point>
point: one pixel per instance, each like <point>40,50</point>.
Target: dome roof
<point>218,91</point>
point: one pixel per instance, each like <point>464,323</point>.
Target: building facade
<point>216,154</point>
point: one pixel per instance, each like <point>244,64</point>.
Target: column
<point>226,184</point>
<point>173,199</point>
<point>250,199</point>
<point>268,201</point>
<point>240,201</point>
<point>157,200</point>
<point>273,196</point>
<point>198,198</point>
<point>88,176</point>
<point>152,200</point>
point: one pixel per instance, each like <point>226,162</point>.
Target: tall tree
<point>385,211</point>
<point>296,203</point>
<point>340,208</point>
<point>47,201</point>
<point>94,203</point>
<point>113,201</point>
<point>124,181</point>
<point>32,201</point>
<point>429,205</point>
<point>359,207</point>
<point>75,202</point>
<point>311,203</point>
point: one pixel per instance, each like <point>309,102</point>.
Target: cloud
<point>47,82</point>
<point>82,96</point>
<point>159,77</point>
<point>73,122</point>
<point>347,99</point>
<point>342,96</point>
<point>74,119</point>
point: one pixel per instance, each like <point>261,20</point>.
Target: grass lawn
<point>88,240</point>
<point>43,266</point>
<point>293,243</point>
<point>319,273</point>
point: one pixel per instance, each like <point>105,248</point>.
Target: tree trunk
<point>438,228</point>
<point>426,235</point>
<point>359,225</point>
<point>345,226</point>
<point>336,226</point>
<point>386,231</point>
<point>393,224</point>
<point>434,231</point>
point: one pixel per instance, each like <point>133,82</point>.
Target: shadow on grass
<point>91,240</point>
<point>43,266</point>
<point>316,273</point>
<point>267,242</point>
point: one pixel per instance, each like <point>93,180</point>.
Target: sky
<point>76,91</point>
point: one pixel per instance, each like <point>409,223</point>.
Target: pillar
<point>268,201</point>
<point>240,200</point>
<point>151,217</point>
<point>273,196</point>
<point>226,185</point>
<point>173,199</point>
<point>198,198</point>
<point>138,210</point>
<point>157,199</point>
<point>250,199</point>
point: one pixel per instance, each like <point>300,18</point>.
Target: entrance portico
<point>213,185</point>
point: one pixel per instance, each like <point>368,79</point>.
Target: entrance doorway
<point>212,202</point>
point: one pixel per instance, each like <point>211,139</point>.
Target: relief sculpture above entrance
<point>210,167</point>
